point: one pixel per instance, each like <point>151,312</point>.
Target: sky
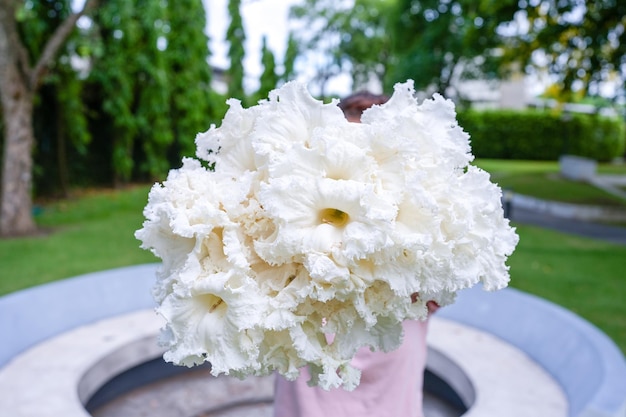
<point>260,18</point>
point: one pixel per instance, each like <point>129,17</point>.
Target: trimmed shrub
<point>540,135</point>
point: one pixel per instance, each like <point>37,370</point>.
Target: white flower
<point>180,214</point>
<point>227,146</point>
<point>215,319</point>
<point>343,218</point>
<point>310,235</point>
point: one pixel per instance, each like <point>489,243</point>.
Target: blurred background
<point>101,98</point>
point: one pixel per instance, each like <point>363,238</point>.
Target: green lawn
<point>586,276</point>
<point>95,232</point>
<point>86,234</point>
<point>541,179</point>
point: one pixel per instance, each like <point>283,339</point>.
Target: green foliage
<point>61,131</point>
<point>116,74</point>
<point>154,127</point>
<point>70,93</point>
<point>351,35</point>
<point>539,135</point>
<point>581,43</point>
<point>236,37</point>
<point>37,20</point>
<point>365,41</point>
<point>189,80</point>
<point>436,42</point>
<point>58,116</point>
<point>319,35</point>
<point>152,82</point>
<point>134,106</point>
<point>269,78</point>
<point>289,61</point>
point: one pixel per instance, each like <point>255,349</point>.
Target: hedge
<point>540,135</point>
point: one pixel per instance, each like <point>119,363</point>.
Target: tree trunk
<point>18,84</point>
<point>16,204</point>
<point>16,97</point>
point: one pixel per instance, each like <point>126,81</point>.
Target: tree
<point>236,37</point>
<point>115,74</point>
<point>19,82</point>
<point>154,80</point>
<point>269,79</point>
<point>365,42</point>
<point>318,37</point>
<point>154,89</point>
<point>438,41</point>
<point>289,61</point>
<point>344,36</point>
<point>60,128</point>
<point>59,121</point>
<point>580,43</point>
<point>187,55</point>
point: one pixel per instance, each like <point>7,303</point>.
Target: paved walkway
<point>591,229</point>
<point>612,184</point>
<point>583,221</point>
<point>503,379</point>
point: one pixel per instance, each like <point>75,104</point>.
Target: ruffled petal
<point>308,226</point>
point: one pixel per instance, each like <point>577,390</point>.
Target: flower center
<point>213,303</point>
<point>334,217</point>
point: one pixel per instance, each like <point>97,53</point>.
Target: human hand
<point>432,307</point>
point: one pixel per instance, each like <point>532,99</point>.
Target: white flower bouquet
<point>294,224</point>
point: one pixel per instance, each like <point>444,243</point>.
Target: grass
<point>541,179</point>
<point>583,275</point>
<point>95,232</point>
<point>90,233</point>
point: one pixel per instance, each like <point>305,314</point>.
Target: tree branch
<point>12,51</point>
<point>55,43</point>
